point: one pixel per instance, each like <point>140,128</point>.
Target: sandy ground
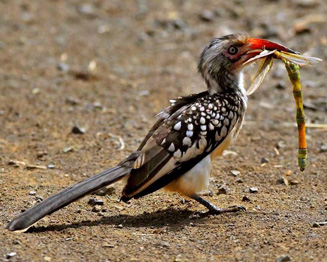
<point>145,53</point>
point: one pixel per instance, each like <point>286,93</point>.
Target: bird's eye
<point>232,50</point>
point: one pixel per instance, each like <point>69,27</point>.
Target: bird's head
<point>223,59</point>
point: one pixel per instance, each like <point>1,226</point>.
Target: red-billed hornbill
<point>177,152</point>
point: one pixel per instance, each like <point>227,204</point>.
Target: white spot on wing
<point>187,141</point>
<point>202,120</point>
<point>178,126</point>
<point>163,141</point>
<point>215,122</point>
<point>171,148</point>
<point>189,133</point>
<point>178,153</point>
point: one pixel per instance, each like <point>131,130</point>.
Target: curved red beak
<point>255,48</point>
<point>263,44</point>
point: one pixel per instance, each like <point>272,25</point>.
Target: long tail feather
<point>71,194</point>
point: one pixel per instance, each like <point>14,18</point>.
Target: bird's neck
<point>225,82</point>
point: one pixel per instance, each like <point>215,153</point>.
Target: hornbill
<point>178,151</point>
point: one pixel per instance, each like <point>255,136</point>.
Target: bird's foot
<point>217,211</point>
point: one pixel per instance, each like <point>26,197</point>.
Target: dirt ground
<point>109,67</point>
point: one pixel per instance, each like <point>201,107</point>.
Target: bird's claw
<point>231,209</point>
<point>238,208</point>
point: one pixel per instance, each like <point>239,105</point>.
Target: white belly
<point>193,181</point>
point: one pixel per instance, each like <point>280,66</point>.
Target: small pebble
<point>105,191</point>
<point>119,226</point>
<point>95,202</point>
<point>283,258</point>
<point>78,130</point>
<point>288,173</point>
<point>144,93</point>
<point>280,144</point>
<point>39,198</point>
<point>239,180</point>
<point>36,91</point>
<point>282,181</point>
<point>264,160</point>
<point>179,24</point>
<point>10,255</point>
<point>164,244</point>
<point>41,154</point>
<point>68,149</point>
<point>323,148</point>
<point>246,199</point>
<point>294,182</point>
<point>97,105</point>
<point>253,190</point>
<point>96,209</point>
<point>281,85</point>
<point>207,16</point>
<point>235,172</point>
<point>16,242</point>
<point>63,67</point>
<point>72,101</point>
<point>86,9</point>
<point>51,166</point>
<point>32,193</point>
<point>223,189</point>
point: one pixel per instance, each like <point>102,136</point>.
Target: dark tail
<point>71,194</point>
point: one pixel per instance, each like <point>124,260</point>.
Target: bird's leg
<point>216,210</point>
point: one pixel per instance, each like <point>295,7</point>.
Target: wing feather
<point>188,130</point>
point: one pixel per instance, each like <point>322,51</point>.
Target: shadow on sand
<point>173,218</point>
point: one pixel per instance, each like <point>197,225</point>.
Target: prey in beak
<point>266,51</point>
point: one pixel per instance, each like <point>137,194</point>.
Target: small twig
<point>319,223</point>
<point>121,141</point>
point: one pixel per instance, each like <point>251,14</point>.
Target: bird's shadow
<point>173,218</point>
